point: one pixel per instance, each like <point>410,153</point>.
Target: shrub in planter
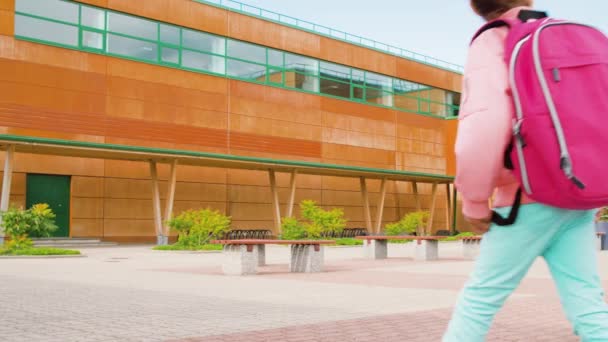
<point>316,223</point>
<point>198,227</point>
<point>411,223</point>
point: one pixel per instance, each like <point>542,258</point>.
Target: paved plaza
<point>136,294</point>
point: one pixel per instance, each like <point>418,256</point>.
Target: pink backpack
<point>558,74</point>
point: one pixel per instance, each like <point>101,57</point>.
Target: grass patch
<point>38,251</point>
<point>400,241</point>
<point>348,242</point>
<point>176,247</point>
<point>457,237</point>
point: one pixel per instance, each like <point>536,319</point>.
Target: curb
<point>42,256</point>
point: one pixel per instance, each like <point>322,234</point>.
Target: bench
<point>470,246</point>
<point>376,247</point>
<point>242,257</point>
<point>600,240</point>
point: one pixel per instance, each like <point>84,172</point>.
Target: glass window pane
<point>132,26</point>
<point>203,42</point>
<point>335,88</point>
<point>358,76</point>
<point>203,61</point>
<point>406,101</point>
<point>275,58</point>
<point>301,64</point>
<point>358,93</point>
<point>46,30</point>
<point>169,34</point>
<point>335,71</point>
<point>53,9</point>
<point>246,70</point>
<point>378,81</point>
<point>301,81</point>
<point>246,51</point>
<point>93,17</point>
<point>92,40</point>
<point>170,55</point>
<point>133,48</point>
<point>275,76</point>
<point>402,86</point>
<point>377,96</point>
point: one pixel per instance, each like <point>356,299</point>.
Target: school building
<point>121,112</point>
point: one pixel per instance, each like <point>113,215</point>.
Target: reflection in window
<point>46,30</point>
<point>52,9</point>
<point>203,42</point>
<point>92,40</point>
<point>203,61</point>
<point>378,81</point>
<point>246,51</point>
<point>380,97</point>
<point>301,64</point>
<point>275,58</point>
<point>133,48</point>
<point>246,70</point>
<point>93,17</point>
<point>132,26</point>
<point>335,88</point>
<point>169,34</point>
<point>169,55</point>
<point>335,71</point>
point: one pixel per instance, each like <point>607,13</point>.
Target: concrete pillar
<point>426,250</point>
<point>306,259</point>
<point>375,249</point>
<point>470,249</point>
<point>261,255</point>
<point>240,260</point>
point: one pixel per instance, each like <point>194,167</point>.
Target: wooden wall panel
<point>7,22</point>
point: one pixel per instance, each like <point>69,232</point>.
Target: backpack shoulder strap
<point>523,16</point>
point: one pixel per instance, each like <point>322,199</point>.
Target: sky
<point>437,28</point>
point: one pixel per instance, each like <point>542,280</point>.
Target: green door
<point>54,191</point>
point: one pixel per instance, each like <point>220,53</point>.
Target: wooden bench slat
<point>273,242</point>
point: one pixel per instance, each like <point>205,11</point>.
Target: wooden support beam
<point>276,208</point>
<point>170,201</point>
<point>380,207</point>
<point>448,206</point>
<point>158,224</point>
<point>292,194</point>
<point>366,209</point>
<point>7,180</point>
<point>416,196</point>
<point>429,226</point>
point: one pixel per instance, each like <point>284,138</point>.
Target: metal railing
<point>240,7</point>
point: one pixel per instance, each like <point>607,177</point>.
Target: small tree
<point>198,227</point>
<point>411,223</point>
<point>20,224</point>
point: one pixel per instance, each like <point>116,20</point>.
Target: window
<point>246,51</point>
<point>250,71</point>
<point>301,64</point>
<point>135,27</point>
<point>169,34</point>
<point>52,9</point>
<point>203,42</point>
<point>275,58</point>
<point>46,30</point>
<point>169,55</point>
<point>133,48</point>
<point>203,61</point>
<point>93,17</point>
<point>92,40</point>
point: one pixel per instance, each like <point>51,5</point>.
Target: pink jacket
<point>484,129</point>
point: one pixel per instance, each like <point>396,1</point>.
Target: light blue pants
<point>566,240</point>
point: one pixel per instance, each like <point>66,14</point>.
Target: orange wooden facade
<point>53,92</point>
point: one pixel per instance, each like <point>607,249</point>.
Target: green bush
<point>19,225</point>
<point>458,237</point>
<point>292,229</point>
<point>176,247</point>
<point>198,227</point>
<point>411,223</point>
<point>349,242</point>
<point>316,223</point>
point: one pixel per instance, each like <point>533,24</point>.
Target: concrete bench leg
<point>470,249</point>
<point>306,259</point>
<point>261,255</point>
<point>240,260</point>
<point>375,249</point>
<point>426,250</point>
<point>598,245</point>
